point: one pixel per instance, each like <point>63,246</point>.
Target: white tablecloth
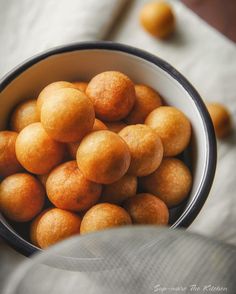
<point>202,54</point>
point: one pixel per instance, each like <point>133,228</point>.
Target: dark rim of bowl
<point>196,204</point>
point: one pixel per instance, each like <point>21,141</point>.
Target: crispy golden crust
<point>82,86</point>
<point>68,189</point>
<point>56,225</point>
<point>103,216</point>
<point>67,115</point>
<point>36,151</point>
<point>48,90</point>
<point>172,126</point>
<point>23,115</point>
<point>146,101</point>
<point>120,190</point>
<point>221,119</point>
<point>171,182</point>
<point>112,94</point>
<point>145,148</point>
<point>116,126</point>
<point>103,157</point>
<point>147,209</point>
<point>8,162</point>
<point>21,197</point>
<point>158,19</point>
<point>33,227</point>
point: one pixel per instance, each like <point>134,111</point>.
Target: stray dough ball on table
<point>104,216</point>
<point>117,192</point>
<point>112,94</point>
<point>55,225</point>
<point>172,126</point>
<point>21,197</point>
<point>73,147</point>
<point>82,86</point>
<point>48,90</point>
<point>146,101</point>
<point>36,151</point>
<point>158,19</point>
<point>67,115</point>
<point>221,119</point>
<point>171,182</point>
<point>103,157</point>
<point>116,126</point>
<point>68,189</point>
<point>146,208</point>
<point>24,114</point>
<point>8,162</point>
<point>145,148</point>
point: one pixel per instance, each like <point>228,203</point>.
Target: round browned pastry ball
<point>8,162</point>
<point>146,208</point>
<point>146,101</point>
<point>171,182</point>
<point>73,147</point>
<point>82,86</point>
<point>67,115</point>
<point>24,114</point>
<point>172,126</point>
<point>157,18</point>
<point>112,94</point>
<point>104,216</point>
<point>36,151</point>
<point>221,119</point>
<point>103,157</point>
<point>68,189</point>
<point>145,148</point>
<point>49,89</point>
<point>120,190</point>
<point>33,227</point>
<point>21,197</point>
<point>55,225</point>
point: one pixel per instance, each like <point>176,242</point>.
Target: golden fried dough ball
<point>82,86</point>
<point>116,126</point>
<point>103,157</point>
<point>67,115</point>
<point>48,90</point>
<point>172,126</point>
<point>104,216</point>
<point>157,18</point>
<point>146,101</point>
<point>112,94</point>
<point>171,182</point>
<point>120,190</point>
<point>21,197</point>
<point>24,114</point>
<point>221,119</point>
<point>145,148</point>
<point>33,227</point>
<point>73,147</point>
<point>56,225</point>
<point>146,208</point>
<point>36,151</point>
<point>8,162</point>
<point>68,189</point>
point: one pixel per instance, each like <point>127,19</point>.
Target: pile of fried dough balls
<point>87,147</point>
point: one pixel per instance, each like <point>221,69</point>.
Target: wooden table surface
<point>221,14</point>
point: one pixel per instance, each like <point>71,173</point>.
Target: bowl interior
<point>84,64</point>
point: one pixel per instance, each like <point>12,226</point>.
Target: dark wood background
<point>221,14</point>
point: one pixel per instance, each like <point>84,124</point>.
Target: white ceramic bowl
<point>84,60</point>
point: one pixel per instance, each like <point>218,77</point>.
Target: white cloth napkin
<point>203,55</point>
